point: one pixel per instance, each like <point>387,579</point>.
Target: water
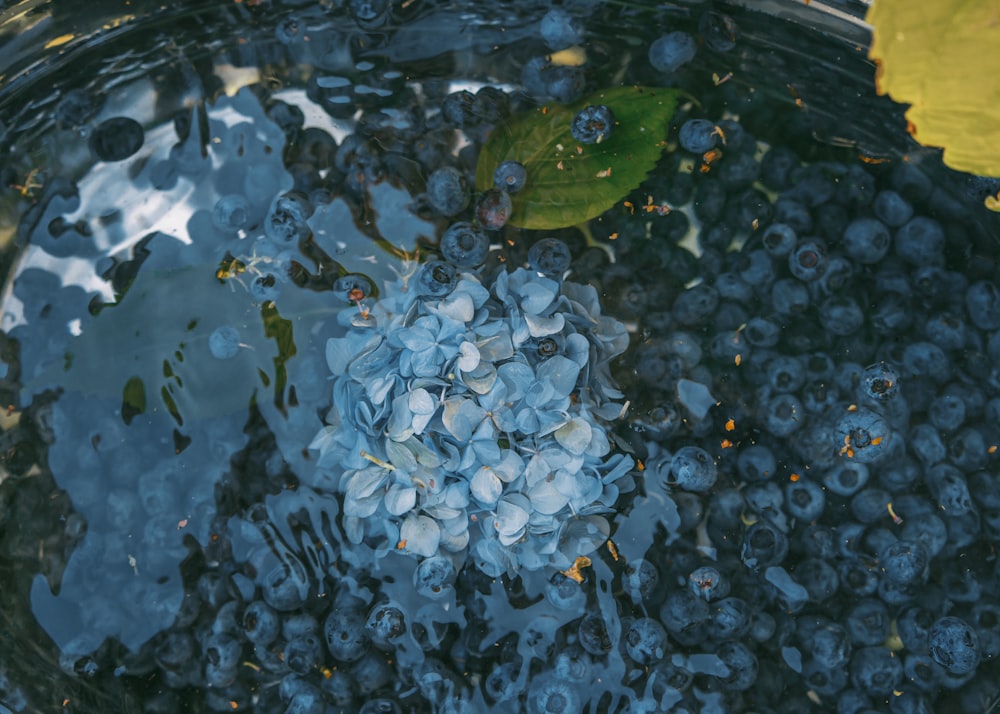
<point>172,451</point>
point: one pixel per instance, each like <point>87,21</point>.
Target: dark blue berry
<point>646,641</point>
<point>493,209</point>
<point>718,31</point>
<point>550,256</point>
<point>863,435</point>
<point>730,619</point>
<point>692,469</point>
<point>867,240</point>
<point>742,665</point>
<point>464,245</point>
<point>286,222</point>
<point>891,208</point>
<point>779,239</point>
<point>346,638</point>
<point>447,191</point>
<point>982,300</point>
<point>698,136</point>
<point>804,500</point>
<point>437,278</point>
<point>560,30</point>
<point>260,623</point>
<point>877,670</point>
<point>868,622</point>
<point>116,139</point>
<point>231,213</point>
<point>920,242</point>
<point>434,577</point>
<point>764,545</point>
<point>593,124</point>
<point>808,261</point>
<point>954,645</point>
<point>510,176</point>
<point>672,51</point>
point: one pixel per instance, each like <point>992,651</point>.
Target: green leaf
<point>941,57</point>
<point>568,182</point>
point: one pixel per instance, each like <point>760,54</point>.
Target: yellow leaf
<point>942,57</point>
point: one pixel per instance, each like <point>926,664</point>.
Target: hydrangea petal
<point>577,348</point>
<point>561,373</point>
<point>496,347</point>
<point>485,487</point>
<point>695,396</point>
<point>468,357</point>
<point>421,535</point>
<point>544,326</point>
<point>574,435</point>
<point>481,379</point>
<point>538,295</point>
<point>546,498</point>
<point>400,499</point>
<point>517,377</point>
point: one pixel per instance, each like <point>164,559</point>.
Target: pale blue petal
<point>577,348</point>
<point>421,535</point>
<point>574,435</point>
<point>538,295</point>
<point>561,373</point>
<point>516,376</point>
<point>364,482</point>
<point>695,396</point>
<point>458,307</point>
<point>496,348</point>
<point>485,487</point>
<point>481,379</point>
<point>546,498</point>
<point>468,357</point>
<point>400,499</point>
<point>544,326</point>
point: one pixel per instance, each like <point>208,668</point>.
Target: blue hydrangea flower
<point>477,420</point>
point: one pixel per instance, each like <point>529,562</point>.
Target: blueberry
<point>231,213</point>
<point>879,383</point>
<point>764,545</point>
<point>550,256</point>
<point>708,583</point>
<point>794,214</point>
<point>640,580</point>
<point>434,578</point>
<point>742,665</point>
<point>693,469</point>
<point>265,287</point>
<point>905,562</point>
<point>304,654</point>
<point>877,670</point>
<point>260,623</point>
<point>345,634</point>
<point>785,374</point>
<point>369,14</point>
<point>867,240</point>
<point>841,315</point>
<point>436,278</point>
<point>954,645</point>
<point>782,414</point>
<point>779,239</point>
<point>947,413</point>
<point>846,478</point>
<point>863,435</point>
<point>982,300</point>
<point>762,332</point>
<point>756,463</point>
<point>719,31</point>
<point>493,209</point>
<point>224,342</point>
<point>352,288</point>
<point>593,124</point>
<point>868,622</point>
<point>696,305</point>
<point>464,245</point>
<point>698,136</point>
<point>223,651</point>
<point>564,83</point>
<point>560,30</point>
<point>594,635</point>
<point>804,500</point>
<point>686,616</point>
<point>777,166</point>
<point>286,586</point>
<point>116,139</point>
<point>830,646</point>
<point>510,176</point>
<point>891,208</point>
<point>920,242</point>
<point>565,593</point>
<point>447,191</point>
<point>548,694</point>
<point>672,51</point>
<point>386,623</point>
<point>286,222</point>
<point>730,619</point>
<point>808,261</point>
<point>646,641</point>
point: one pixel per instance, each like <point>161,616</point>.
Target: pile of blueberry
<point>733,451</point>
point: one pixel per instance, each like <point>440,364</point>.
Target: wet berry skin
<point>493,209</point>
<point>593,124</point>
<point>510,176</point>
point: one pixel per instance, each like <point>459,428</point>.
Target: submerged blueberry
<point>592,124</point>
<point>116,139</point>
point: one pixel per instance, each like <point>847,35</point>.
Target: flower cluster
<point>473,417</point>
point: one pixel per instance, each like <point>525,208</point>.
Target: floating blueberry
<point>447,191</point>
<point>593,124</point>
<point>560,30</point>
<point>231,213</point>
<point>672,51</point>
<point>550,256</point>
<point>437,278</point>
<point>954,645</point>
<point>646,641</point>
<point>693,469</point>
<point>224,342</point>
<point>698,136</point>
<point>863,435</point>
<point>116,139</point>
<point>510,176</point>
<point>493,209</point>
